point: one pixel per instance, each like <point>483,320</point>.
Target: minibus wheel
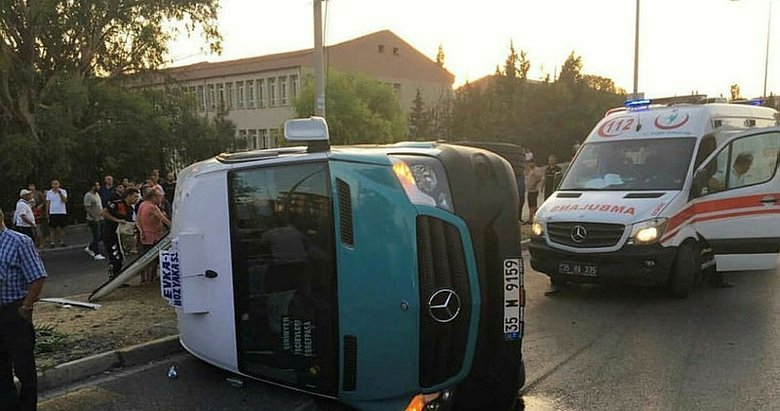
<point>685,270</point>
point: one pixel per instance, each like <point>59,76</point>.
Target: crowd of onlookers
<point>538,179</point>
<point>127,217</point>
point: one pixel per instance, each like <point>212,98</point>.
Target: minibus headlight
<point>648,232</point>
<point>537,229</point>
<point>429,402</point>
<point>424,180</point>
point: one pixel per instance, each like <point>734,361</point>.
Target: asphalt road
<point>589,348</point>
<point>73,272</point>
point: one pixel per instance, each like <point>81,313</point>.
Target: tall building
<point>256,93</point>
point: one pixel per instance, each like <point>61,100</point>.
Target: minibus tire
<point>685,270</point>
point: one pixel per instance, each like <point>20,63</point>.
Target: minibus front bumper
<point>632,264</point>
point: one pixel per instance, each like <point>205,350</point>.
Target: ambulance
<point>661,192</point>
<point>385,277</point>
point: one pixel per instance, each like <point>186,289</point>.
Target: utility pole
<point>636,52</point>
<point>768,36</point>
<point>319,62</point>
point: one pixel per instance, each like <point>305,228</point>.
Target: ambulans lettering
<point>606,208</point>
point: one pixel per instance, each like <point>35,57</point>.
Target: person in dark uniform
<point>21,280</point>
<point>551,175</point>
<point>117,212</point>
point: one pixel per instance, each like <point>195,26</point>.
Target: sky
<point>684,46</point>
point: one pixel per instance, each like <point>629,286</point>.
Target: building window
<point>212,104</point>
<point>266,143</point>
<point>274,140</point>
<point>201,99</point>
<point>221,96</point>
<point>252,139</point>
<point>395,51</point>
<point>294,86</point>
<point>260,93</point>
<point>240,89</point>
<point>397,88</point>
<point>381,48</point>
<point>283,90</point>
<point>250,93</point>
<point>242,137</point>
<point>229,95</point>
<point>271,92</point>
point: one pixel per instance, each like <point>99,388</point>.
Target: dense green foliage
<point>65,109</point>
<point>547,117</point>
<point>359,109</point>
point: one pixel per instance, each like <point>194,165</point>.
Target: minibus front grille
<point>585,235</point>
<point>445,300</point>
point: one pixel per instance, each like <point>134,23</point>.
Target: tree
<point>440,56</point>
<point>46,42</point>
<point>359,109</point>
<point>420,122</point>
<point>571,71</point>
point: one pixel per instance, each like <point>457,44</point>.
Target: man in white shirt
<point>56,200</point>
<point>24,219</point>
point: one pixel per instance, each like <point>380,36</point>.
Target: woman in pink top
<point>151,222</point>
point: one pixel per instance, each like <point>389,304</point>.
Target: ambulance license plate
<point>583,269</point>
<point>513,311</point>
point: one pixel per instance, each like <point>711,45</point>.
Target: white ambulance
<point>658,193</point>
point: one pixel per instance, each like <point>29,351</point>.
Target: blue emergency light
<point>637,104</point>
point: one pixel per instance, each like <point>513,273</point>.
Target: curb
<point>62,250</point>
<point>80,369</point>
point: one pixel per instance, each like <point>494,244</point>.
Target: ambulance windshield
<point>629,165</point>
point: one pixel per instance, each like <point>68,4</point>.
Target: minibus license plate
<point>513,283</point>
<point>586,270</point>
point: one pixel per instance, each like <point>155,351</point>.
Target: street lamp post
<point>768,36</point>
<point>636,52</point>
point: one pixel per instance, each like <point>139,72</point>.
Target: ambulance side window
<point>744,162</point>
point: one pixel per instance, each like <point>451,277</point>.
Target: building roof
<point>397,59</point>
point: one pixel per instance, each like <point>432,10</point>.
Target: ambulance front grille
<point>594,235</point>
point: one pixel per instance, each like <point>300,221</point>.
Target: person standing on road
<point>24,219</point>
<point>151,222</point>
<point>56,200</point>
<point>551,174</point>
<point>93,206</point>
<point>21,280</point>
<point>38,205</point>
<point>533,181</point>
<point>107,190</point>
<point>118,212</point>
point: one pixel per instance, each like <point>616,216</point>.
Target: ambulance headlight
<point>648,232</point>
<point>537,229</point>
<point>424,180</point>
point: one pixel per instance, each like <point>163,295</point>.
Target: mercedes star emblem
<point>578,233</point>
<point>444,305</point>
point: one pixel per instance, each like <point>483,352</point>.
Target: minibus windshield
<point>629,165</point>
<point>284,275</point>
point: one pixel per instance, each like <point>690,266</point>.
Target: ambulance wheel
<point>685,270</point>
